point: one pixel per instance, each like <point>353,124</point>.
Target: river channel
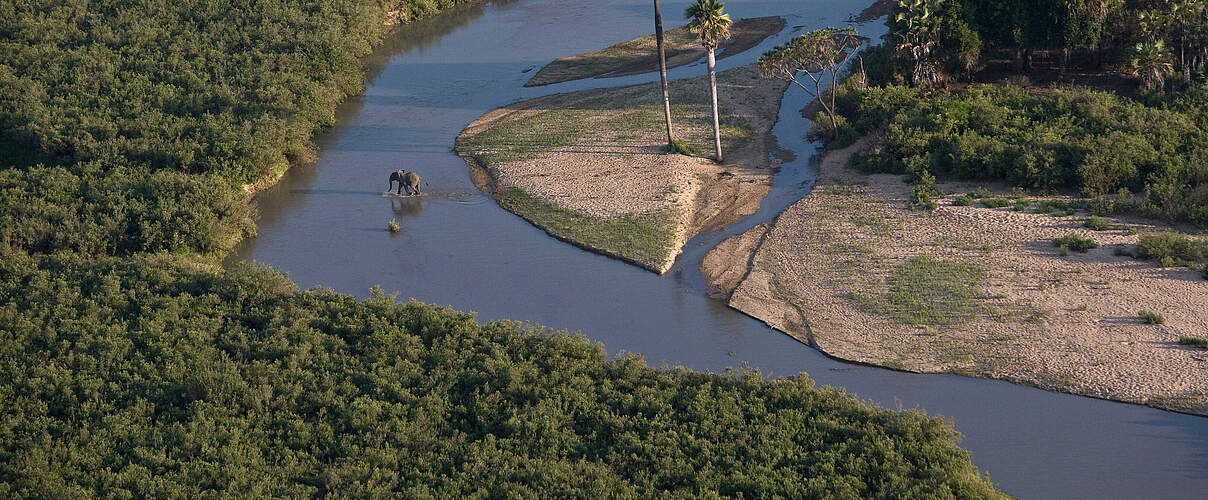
<point>324,224</point>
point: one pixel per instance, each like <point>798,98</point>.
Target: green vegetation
<point>711,25</point>
<point>1089,141</point>
<point>156,377</point>
<point>392,226</point>
<point>923,191</point>
<point>936,41</point>
<point>995,202</point>
<point>1151,318</point>
<point>131,127</point>
<point>1096,223</point>
<point>1096,143</point>
<point>1200,342</point>
<point>927,290</point>
<point>646,239</point>
<point>1176,248</point>
<point>640,55</point>
<point>678,146</point>
<point>1075,242</point>
<point>546,124</point>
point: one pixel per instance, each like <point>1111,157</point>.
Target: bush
<point>393,226</point>
<point>1171,245</point>
<point>1075,242</point>
<point>963,201</point>
<point>995,202</point>
<point>923,191</point>
<point>1021,205</point>
<point>1151,318</point>
<point>1096,223</point>
<point>1200,342</point>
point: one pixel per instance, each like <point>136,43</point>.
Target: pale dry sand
<point>853,229</point>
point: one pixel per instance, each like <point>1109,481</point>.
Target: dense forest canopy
<point>940,112</point>
<point>131,366</point>
<point>159,378</point>
<point>170,105</point>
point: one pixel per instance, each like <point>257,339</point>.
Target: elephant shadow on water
<point>404,207</point>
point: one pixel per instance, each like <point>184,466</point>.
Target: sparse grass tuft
<point>931,291</point>
<point>1200,342</point>
<point>680,147</point>
<point>980,193</point>
<point>1096,223</point>
<point>1074,242</point>
<point>1151,318</point>
<point>995,202</point>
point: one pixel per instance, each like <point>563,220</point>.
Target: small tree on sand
<point>817,55</point>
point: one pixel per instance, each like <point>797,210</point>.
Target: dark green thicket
<point>1091,142</point>
<point>154,377</point>
<point>137,122</point>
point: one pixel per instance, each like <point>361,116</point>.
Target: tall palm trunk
<point>713,91</point>
<point>658,39</point>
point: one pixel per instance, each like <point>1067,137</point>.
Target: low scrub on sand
<point>1200,342</point>
<point>1172,247</point>
<point>646,239</point>
<point>1151,318</point>
<point>1075,242</point>
<point>927,290</point>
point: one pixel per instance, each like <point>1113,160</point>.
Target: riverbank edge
<point>731,265</point>
<point>252,189</point>
<point>760,28</point>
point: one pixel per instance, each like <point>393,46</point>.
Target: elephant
<point>406,180</point>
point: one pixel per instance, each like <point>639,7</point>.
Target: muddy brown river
<point>325,225</point>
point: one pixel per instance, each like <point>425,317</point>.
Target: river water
<point>324,224</point>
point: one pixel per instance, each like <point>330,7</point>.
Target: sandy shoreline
<point>1061,323</point>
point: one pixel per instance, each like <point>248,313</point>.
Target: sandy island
<point>591,168</point>
<point>826,271</point>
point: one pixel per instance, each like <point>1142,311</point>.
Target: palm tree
<point>658,40</point>
<point>713,26</point>
<point>1151,62</point>
<point>919,34</point>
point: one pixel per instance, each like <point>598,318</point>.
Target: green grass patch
<point>927,290</point>
<point>583,120</point>
<point>1075,242</point>
<point>995,202</point>
<point>1151,318</point>
<point>1200,342</point>
<point>640,55</point>
<point>1096,223</point>
<point>644,238</point>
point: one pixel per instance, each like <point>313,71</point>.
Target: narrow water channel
<point>324,224</point>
